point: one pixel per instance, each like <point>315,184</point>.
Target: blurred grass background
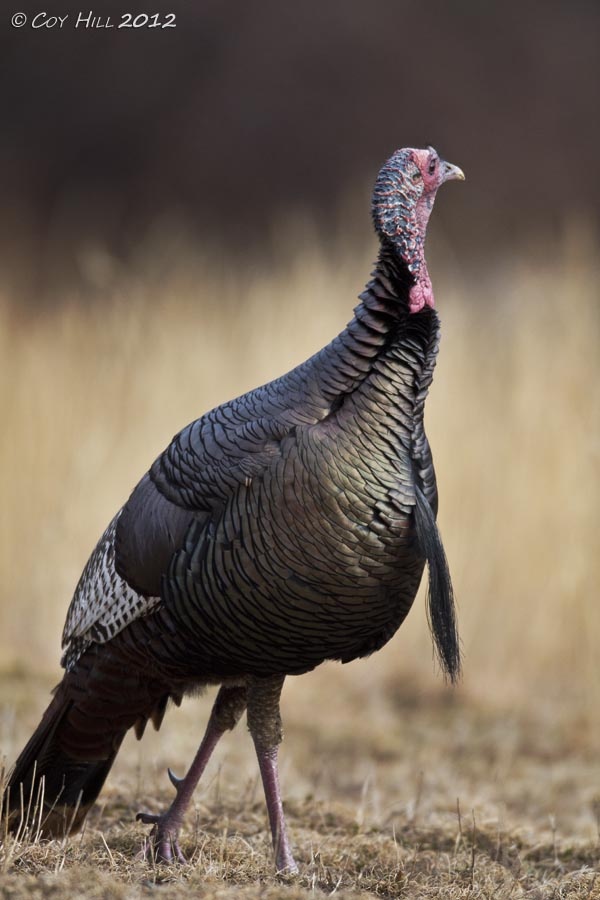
<point>91,392</point>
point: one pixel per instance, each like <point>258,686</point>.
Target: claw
<point>166,850</point>
<point>147,818</point>
<point>175,781</point>
<point>162,845</point>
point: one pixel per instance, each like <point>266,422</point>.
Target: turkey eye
<point>416,176</point>
<point>432,166</point>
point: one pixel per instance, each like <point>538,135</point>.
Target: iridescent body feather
<point>286,527</point>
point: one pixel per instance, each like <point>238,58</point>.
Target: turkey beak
<point>452,173</point>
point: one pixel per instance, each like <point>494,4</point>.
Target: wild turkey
<point>284,528</point>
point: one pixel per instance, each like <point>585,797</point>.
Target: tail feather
<point>49,786</point>
<point>440,595</point>
<point>65,763</point>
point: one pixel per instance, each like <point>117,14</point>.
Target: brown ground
<point>395,786</point>
<point>411,794</point>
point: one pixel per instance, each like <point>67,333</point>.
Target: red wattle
<point>420,295</point>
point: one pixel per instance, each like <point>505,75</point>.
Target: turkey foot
<point>164,837</point>
<point>228,707</point>
<point>162,847</point>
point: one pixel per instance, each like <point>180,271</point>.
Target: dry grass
<point>378,753</point>
<point>423,795</point>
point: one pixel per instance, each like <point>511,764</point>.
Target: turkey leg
<point>228,707</point>
<point>264,722</point>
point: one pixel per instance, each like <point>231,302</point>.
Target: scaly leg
<point>264,722</point>
<point>228,707</point>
